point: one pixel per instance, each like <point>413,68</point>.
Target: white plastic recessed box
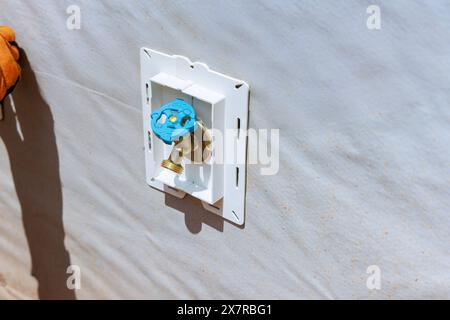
<point>221,102</point>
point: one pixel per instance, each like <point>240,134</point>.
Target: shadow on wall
<point>194,213</point>
<point>28,133</point>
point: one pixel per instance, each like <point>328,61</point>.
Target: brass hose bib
<point>187,147</point>
<point>176,123</point>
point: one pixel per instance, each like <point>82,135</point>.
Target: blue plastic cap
<point>174,121</point>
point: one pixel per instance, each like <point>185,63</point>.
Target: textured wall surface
<point>364,118</point>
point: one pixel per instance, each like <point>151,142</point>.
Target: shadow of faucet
<point>27,131</point>
<point>194,213</point>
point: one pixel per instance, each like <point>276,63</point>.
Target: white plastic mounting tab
<point>222,103</point>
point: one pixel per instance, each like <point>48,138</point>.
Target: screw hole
<point>238,85</point>
<point>192,66</point>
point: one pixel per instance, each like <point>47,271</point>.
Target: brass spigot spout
<point>173,163</point>
<point>186,148</point>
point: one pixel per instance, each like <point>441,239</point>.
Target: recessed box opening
<point>196,178</point>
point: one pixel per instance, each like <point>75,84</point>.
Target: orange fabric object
<point>9,56</point>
